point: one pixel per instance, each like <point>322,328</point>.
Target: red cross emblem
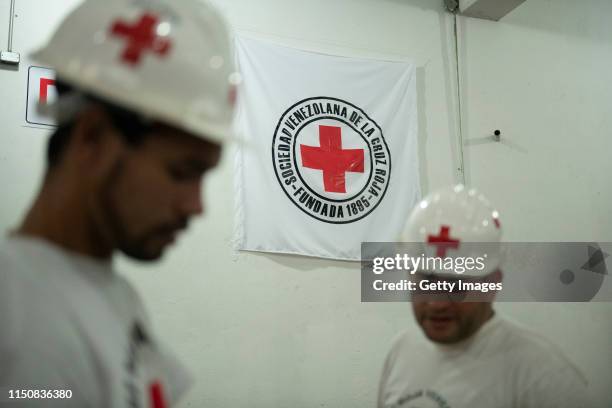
<point>140,37</point>
<point>332,159</point>
<point>443,241</point>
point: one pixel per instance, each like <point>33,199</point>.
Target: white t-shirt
<point>501,366</point>
<point>69,322</point>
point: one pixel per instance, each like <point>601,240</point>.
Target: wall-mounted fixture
<point>487,9</point>
<point>9,56</point>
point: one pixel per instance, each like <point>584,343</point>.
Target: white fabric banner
<point>329,157</point>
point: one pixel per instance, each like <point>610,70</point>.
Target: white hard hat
<point>167,60</point>
<point>456,222</point>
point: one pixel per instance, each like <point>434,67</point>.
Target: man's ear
<point>95,142</point>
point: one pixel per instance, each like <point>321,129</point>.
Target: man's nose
<point>191,202</point>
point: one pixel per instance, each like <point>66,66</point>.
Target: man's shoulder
<point>43,292</point>
<point>532,351</point>
<point>9,293</point>
<point>9,256</point>
<point>544,374</point>
<point>30,308</point>
<point>520,338</point>
<point>27,271</point>
<point>21,257</point>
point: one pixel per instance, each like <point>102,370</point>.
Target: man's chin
<point>441,333</point>
<point>442,339</point>
<point>150,249</point>
<point>144,254</point>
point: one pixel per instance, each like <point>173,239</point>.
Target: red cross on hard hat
<point>457,222</point>
<point>140,38</point>
<point>142,56</point>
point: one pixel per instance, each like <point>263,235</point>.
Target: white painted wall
<point>280,331</point>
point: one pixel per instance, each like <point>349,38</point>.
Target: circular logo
<point>331,159</point>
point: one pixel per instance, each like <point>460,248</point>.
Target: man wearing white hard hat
<point>145,102</point>
<point>467,355</point>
